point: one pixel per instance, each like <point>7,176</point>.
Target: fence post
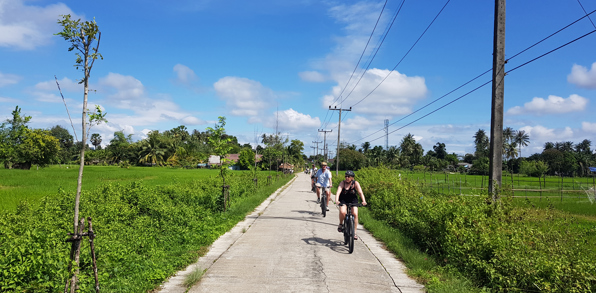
<point>561,187</point>
<point>459,185</point>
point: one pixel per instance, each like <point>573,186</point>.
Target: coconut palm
<point>522,139</point>
<point>151,149</point>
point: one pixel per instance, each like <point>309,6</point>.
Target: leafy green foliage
<point>246,159</point>
<point>144,234</point>
<point>502,247</point>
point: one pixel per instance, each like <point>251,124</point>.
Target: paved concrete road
<point>288,246</point>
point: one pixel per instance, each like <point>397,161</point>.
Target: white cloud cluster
<point>26,27</point>
<point>184,75</point>
<point>395,96</point>
<point>8,79</point>
<point>582,77</point>
<point>291,120</point>
<point>126,92</point>
<point>552,105</point>
<point>589,127</point>
<point>312,76</point>
<point>244,97</point>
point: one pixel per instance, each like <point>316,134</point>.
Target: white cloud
<point>312,76</point>
<point>184,75</point>
<point>589,127</point>
<point>8,100</point>
<point>552,105</point>
<point>26,27</point>
<point>244,97</point>
<point>581,77</point>
<point>66,85</point>
<point>8,79</point>
<point>126,92</point>
<point>542,133</point>
<point>291,120</point>
<point>395,96</point>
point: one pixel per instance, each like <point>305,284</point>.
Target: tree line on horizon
<point>557,158</point>
<point>22,147</point>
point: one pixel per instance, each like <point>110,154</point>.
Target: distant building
<point>233,159</point>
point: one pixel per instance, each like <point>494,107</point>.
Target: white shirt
<point>324,177</point>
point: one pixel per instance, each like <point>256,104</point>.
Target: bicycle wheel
<point>346,227</point>
<point>351,236</point>
<point>324,203</point>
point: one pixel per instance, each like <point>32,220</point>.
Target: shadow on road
<point>299,219</point>
<point>335,245</point>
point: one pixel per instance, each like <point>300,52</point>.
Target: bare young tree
<point>82,35</point>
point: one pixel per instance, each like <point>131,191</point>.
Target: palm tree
<point>392,154</point>
<point>522,139</point>
<point>151,150</point>
<point>508,134</point>
<point>481,143</point>
<point>549,145</point>
<point>365,147</point>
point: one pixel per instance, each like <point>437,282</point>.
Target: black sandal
<point>340,229</point>
<point>355,237</point>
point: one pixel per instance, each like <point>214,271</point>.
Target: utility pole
<point>338,136</point>
<point>317,142</point>
<point>325,141</point>
<point>313,149</point>
<point>386,134</point>
<point>498,90</point>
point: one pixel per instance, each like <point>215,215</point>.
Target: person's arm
<point>360,192</point>
<point>339,189</point>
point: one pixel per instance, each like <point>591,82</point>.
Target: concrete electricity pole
<point>498,90</point>
<point>325,141</point>
<point>317,142</point>
<point>338,136</point>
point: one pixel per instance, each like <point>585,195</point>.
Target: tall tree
<point>482,143</point>
<point>522,139</point>
<point>81,35</point>
<point>12,134</point>
<point>96,140</point>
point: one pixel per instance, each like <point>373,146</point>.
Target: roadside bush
<point>144,234</point>
<point>501,247</point>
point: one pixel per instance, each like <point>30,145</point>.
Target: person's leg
<point>355,213</point>
<point>328,196</point>
<point>342,214</point>
<point>318,193</point>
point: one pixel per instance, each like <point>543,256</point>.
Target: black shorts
<point>344,199</point>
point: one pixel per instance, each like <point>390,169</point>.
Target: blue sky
<point>188,62</point>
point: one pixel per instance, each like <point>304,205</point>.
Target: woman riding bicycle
<point>346,193</point>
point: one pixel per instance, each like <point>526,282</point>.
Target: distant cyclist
<point>313,173</point>
<point>346,193</point>
<point>323,177</point>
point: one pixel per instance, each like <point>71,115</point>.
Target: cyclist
<point>313,172</point>
<point>346,193</point>
<point>323,177</point>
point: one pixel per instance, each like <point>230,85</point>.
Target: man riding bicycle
<point>313,173</point>
<point>346,193</point>
<point>323,177</point>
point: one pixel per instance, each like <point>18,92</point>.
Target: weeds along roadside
<point>501,247</point>
<point>144,233</point>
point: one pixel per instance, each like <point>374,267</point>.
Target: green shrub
<point>501,247</point>
<point>144,234</point>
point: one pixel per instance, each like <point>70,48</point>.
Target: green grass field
<point>32,185</point>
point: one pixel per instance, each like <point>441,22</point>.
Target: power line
<point>325,122</point>
<point>376,51</point>
<point>580,4</point>
<point>363,51</point>
<point>519,53</point>
<point>515,68</point>
<point>408,52</point>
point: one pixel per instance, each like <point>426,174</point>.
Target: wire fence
<point>518,186</point>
